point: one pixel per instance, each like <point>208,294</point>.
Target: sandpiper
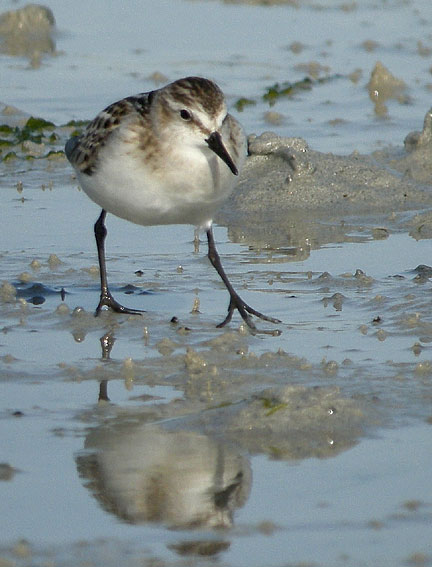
<point>169,156</point>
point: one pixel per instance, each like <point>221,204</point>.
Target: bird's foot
<point>107,300</point>
<point>245,310</point>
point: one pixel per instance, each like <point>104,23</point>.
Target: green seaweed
<point>76,123</point>
<point>283,90</point>
<point>54,154</point>
<point>35,130</point>
<point>10,156</point>
<point>275,452</point>
<point>276,408</point>
<point>240,104</point>
<point>75,133</point>
<point>278,90</point>
<point>36,124</point>
<point>273,406</point>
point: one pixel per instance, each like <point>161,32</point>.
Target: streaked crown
<point>195,92</point>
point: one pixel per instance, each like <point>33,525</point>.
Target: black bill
<point>215,143</point>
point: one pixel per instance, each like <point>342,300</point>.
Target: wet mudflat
<point>138,440</point>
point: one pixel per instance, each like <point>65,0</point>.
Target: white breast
<point>185,187</point>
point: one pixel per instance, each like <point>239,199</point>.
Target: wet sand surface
<point>148,440</point>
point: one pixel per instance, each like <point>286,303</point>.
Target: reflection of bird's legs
<point>103,391</point>
<point>107,342</point>
<point>196,241</point>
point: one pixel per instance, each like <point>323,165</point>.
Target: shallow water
<point>312,447</point>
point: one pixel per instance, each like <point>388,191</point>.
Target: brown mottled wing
<point>82,151</point>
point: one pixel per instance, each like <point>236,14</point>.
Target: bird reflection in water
<point>183,480</point>
<point>143,473</point>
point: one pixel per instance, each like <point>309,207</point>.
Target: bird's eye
<point>185,114</point>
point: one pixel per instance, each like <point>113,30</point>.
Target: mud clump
<point>383,86</point>
<point>414,161</point>
<point>283,175</point>
<point>297,422</point>
<point>28,32</point>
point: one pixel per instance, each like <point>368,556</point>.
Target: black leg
<point>106,299</point>
<point>236,302</point>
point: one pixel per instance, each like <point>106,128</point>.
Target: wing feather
<point>82,151</point>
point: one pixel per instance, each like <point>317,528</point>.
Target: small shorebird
<point>169,156</point>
